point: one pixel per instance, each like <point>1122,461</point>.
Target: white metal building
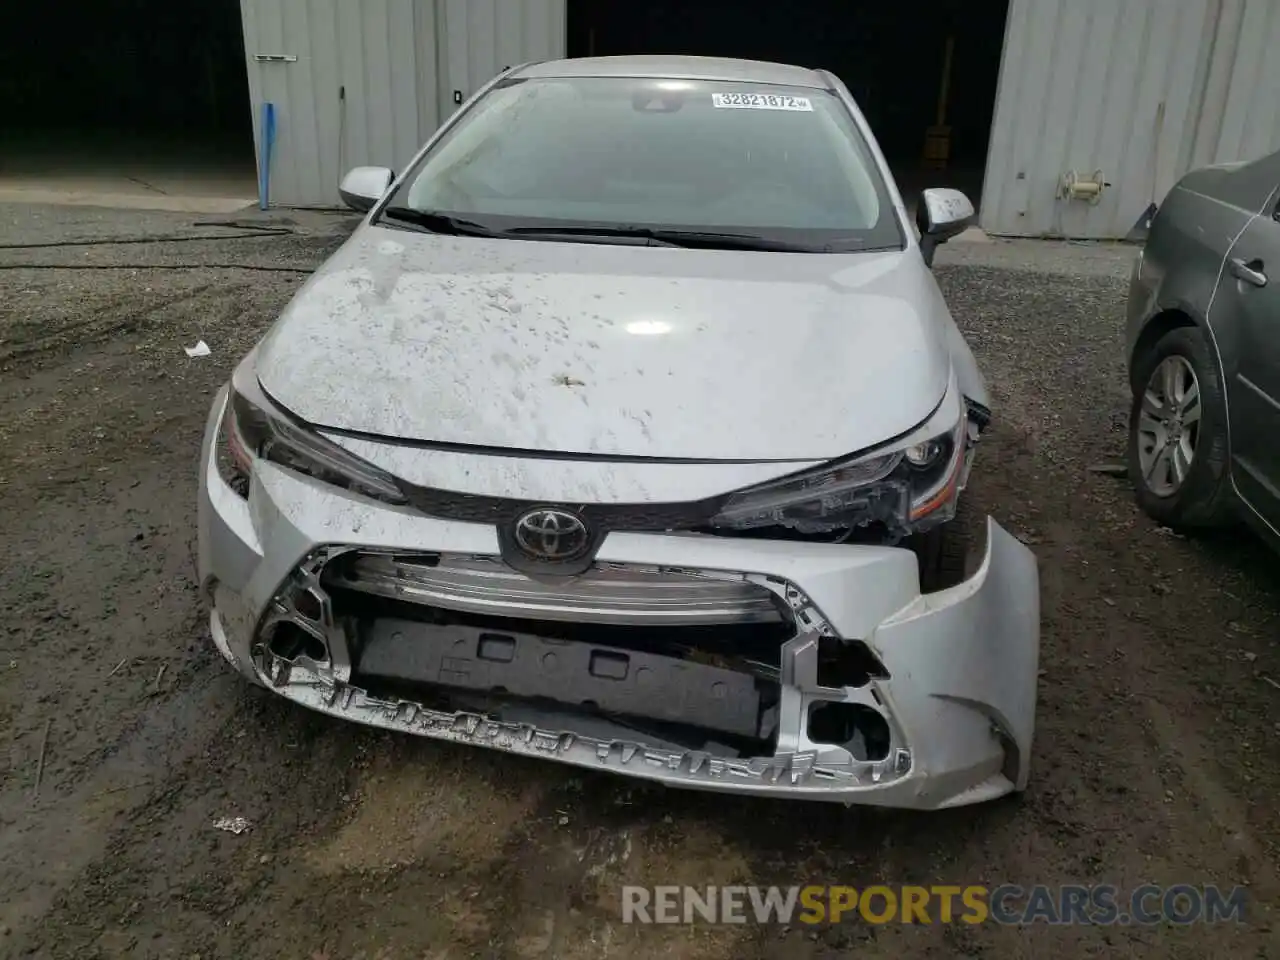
<point>367,81</point>
<point>1118,97</point>
<point>1142,90</point>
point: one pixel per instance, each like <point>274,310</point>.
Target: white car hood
<point>611,350</point>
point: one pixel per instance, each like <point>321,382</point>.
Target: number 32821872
<point>760,101</point>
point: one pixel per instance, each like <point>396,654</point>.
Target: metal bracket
<point>978,413</point>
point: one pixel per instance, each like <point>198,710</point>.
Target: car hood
<point>611,350</point>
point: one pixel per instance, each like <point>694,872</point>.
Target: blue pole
<point>268,147</point>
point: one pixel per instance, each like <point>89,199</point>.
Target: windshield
<point>663,159</point>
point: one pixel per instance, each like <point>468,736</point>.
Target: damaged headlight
<point>253,429</point>
<point>908,490</point>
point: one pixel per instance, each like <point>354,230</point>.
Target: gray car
<point>1203,341</point>
<point>631,430</point>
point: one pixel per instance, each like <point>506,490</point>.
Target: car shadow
<point>1239,548</point>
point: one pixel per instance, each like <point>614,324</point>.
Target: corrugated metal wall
<point>1141,89</point>
<point>372,79</point>
<point>484,36</point>
<point>1240,117</point>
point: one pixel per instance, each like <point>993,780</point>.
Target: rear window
<point>778,162</point>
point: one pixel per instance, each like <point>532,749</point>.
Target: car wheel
<point>1178,447</point>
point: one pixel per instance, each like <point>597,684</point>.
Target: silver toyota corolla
<point>629,430</point>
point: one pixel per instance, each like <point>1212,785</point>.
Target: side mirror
<point>362,187</point>
<point>941,214</point>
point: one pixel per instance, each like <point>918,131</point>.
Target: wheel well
<point>1156,328</point>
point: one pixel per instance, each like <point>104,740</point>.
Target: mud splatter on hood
<point>612,350</point>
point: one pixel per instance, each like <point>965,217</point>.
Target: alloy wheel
<point>1169,426</point>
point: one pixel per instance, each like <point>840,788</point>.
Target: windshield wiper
<point>733,241</point>
<point>654,236</point>
<point>671,237</point>
<point>588,234</point>
<point>440,222</point>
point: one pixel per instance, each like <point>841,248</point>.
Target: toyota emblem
<point>548,534</point>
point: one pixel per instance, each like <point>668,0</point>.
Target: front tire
<point>945,552</point>
<point>1178,446</point>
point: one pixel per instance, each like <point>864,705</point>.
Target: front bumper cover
<point>959,698</point>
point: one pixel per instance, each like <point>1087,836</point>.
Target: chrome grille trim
<point>607,594</point>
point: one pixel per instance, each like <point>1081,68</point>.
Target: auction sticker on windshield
<point>760,101</point>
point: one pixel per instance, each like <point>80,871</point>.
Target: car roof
<point>673,67</point>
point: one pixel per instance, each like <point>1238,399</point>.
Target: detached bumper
<point>957,693</point>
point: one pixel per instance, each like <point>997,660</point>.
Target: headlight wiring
<point>907,490</point>
<point>901,489</point>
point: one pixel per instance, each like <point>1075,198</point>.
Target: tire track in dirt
<point>99,443</point>
<point>118,315</point>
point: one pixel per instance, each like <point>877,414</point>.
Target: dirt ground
<point>1156,757</point>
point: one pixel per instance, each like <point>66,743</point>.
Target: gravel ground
<point>1155,759</point>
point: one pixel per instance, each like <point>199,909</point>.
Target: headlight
<point>908,490</point>
<point>254,430</point>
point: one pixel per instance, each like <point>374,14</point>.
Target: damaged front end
<point>750,652</point>
<point>740,683</point>
<point>706,672</point>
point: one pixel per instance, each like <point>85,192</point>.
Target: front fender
<point>973,385</point>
